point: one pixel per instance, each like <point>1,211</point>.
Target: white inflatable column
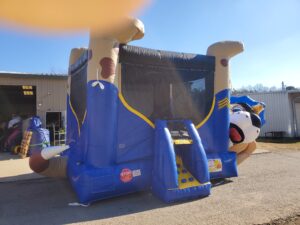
<point>223,51</point>
<point>104,50</point>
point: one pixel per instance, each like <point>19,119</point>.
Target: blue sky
<point>269,29</point>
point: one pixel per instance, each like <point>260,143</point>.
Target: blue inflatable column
<point>102,104</point>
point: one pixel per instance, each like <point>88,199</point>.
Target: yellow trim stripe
<point>226,105</point>
<point>127,106</point>
<point>84,116</point>
<point>200,184</point>
<point>225,100</point>
<point>223,103</point>
<point>150,122</point>
<point>182,142</point>
<point>208,115</point>
<point>143,116</point>
<point>73,111</point>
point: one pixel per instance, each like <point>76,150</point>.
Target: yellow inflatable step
<point>185,178</point>
<point>182,142</point>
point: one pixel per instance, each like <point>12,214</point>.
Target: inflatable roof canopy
<point>140,118</point>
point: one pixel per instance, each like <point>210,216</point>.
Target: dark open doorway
<point>17,100</point>
<point>55,124</point>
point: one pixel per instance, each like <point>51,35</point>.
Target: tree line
<point>258,88</point>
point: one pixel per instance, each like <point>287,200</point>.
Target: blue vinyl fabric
<point>40,137</point>
<point>72,125</point>
<point>214,134</point>
<point>114,151</point>
<point>112,139</point>
<point>101,153</point>
<point>135,138</point>
<point>165,177</point>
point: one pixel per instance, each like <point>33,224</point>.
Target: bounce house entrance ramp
<point>180,164</point>
<point>185,178</point>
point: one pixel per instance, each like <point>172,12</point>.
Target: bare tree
<point>257,88</point>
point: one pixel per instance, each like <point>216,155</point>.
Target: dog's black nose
<point>255,120</point>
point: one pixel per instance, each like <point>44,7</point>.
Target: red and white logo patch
<point>126,175</point>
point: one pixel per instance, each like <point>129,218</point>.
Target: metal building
<point>26,94</point>
<point>282,112</point>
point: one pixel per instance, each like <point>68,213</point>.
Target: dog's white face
<point>244,126</point>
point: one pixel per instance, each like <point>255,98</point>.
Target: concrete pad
<point>13,168</point>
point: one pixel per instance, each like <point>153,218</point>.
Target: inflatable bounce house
<point>141,119</point>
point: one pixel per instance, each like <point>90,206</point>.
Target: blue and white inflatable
<point>141,118</point>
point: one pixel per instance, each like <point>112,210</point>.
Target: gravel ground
<point>267,189</point>
<point>291,220</point>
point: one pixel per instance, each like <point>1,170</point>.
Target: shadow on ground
<point>21,177</point>
<point>30,202</point>
<point>8,156</point>
<point>219,182</point>
<point>33,201</point>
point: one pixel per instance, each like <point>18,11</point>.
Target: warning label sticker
<point>136,173</point>
<point>126,175</point>
<point>215,165</point>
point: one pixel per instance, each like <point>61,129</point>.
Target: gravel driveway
<point>268,188</point>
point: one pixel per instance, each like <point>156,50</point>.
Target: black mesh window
<point>167,85</point>
<point>78,88</point>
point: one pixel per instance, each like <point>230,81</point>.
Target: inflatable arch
<point>143,119</point>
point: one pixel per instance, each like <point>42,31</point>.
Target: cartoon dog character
<point>244,128</point>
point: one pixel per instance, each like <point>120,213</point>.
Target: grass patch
<point>274,144</point>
